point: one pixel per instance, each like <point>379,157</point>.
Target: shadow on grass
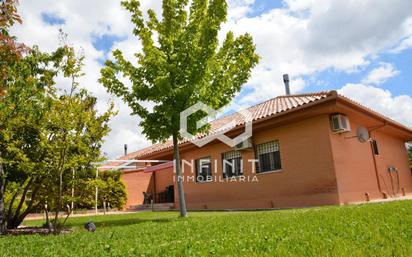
<point>119,222</point>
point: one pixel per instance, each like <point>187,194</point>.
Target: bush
<point>111,190</point>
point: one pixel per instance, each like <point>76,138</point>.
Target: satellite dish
<point>363,134</point>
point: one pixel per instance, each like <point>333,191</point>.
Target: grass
<point>366,230</point>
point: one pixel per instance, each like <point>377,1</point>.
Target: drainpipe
<point>154,187</point>
<point>377,173</point>
<point>385,195</point>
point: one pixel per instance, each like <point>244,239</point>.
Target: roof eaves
<point>374,113</point>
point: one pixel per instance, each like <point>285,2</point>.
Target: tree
<point>73,139</point>
<point>22,111</point>
<point>72,133</point>
<point>182,66</point>
<point>10,50</point>
<point>10,53</point>
<point>112,191</point>
<point>45,134</point>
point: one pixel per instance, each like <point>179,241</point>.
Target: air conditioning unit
<point>340,123</point>
<point>245,145</point>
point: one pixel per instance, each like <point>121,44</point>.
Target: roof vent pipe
<point>125,149</point>
<point>286,81</point>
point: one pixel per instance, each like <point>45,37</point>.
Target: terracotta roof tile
<point>262,110</point>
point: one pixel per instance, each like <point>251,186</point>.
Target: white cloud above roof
<point>380,74</point>
<point>302,38</point>
<point>398,108</point>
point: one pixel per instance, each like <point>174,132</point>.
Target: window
<point>268,155</point>
<point>203,169</point>
<point>375,147</point>
<point>232,164</point>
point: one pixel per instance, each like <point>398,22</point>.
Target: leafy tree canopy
<point>181,63</point>
<point>46,133</point>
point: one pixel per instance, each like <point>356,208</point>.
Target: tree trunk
<point>46,212</point>
<point>30,207</point>
<point>56,225</point>
<point>13,221</point>
<point>2,191</point>
<point>10,208</point>
<point>179,178</point>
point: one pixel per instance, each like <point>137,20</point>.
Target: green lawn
<point>364,230</point>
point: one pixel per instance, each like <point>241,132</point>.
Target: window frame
<point>197,167</point>
<point>375,147</point>
<point>276,157</point>
<point>233,166</point>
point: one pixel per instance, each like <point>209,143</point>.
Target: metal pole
<point>97,190</point>
<point>72,204</point>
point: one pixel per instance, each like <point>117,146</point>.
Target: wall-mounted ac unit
<point>340,123</point>
<point>245,145</point>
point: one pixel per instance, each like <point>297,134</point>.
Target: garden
<point>382,229</point>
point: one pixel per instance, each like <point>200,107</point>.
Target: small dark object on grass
<point>90,226</point>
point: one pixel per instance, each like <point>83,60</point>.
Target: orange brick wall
<point>164,178</point>
<point>393,153</point>
<point>307,177</point>
<point>136,183</point>
<point>319,167</point>
<point>355,168</point>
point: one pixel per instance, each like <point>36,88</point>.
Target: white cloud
<point>398,108</point>
<point>125,130</point>
<point>302,38</point>
<point>269,82</point>
<point>83,21</point>
<point>380,74</point>
<point>299,5</point>
<point>332,34</point>
<point>407,40</point>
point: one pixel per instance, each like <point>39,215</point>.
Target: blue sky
<point>398,85</point>
<point>328,79</point>
<point>362,50</point>
<point>259,7</point>
<point>332,79</point>
<point>52,19</point>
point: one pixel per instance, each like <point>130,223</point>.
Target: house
<point>305,150</point>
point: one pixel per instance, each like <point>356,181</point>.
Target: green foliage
<point>182,66</point>
<point>8,198</point>
<point>10,50</point>
<point>45,133</point>
<point>181,63</point>
<point>363,230</point>
<point>10,53</point>
<point>29,81</point>
<point>111,191</point>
